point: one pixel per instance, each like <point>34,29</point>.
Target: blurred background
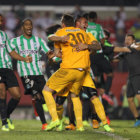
<point>118,16</point>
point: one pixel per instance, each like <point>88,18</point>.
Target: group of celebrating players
<point>81,44</point>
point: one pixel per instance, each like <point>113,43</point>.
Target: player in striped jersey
<point>8,80</point>
<point>31,74</point>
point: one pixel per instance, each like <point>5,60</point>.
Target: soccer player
<point>31,74</point>
<point>72,70</point>
<point>133,62</point>
<point>88,85</point>
<point>8,80</point>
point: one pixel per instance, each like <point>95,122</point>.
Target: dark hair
<point>52,29</point>
<point>86,15</point>
<point>92,15</point>
<point>26,19</point>
<point>107,33</point>
<point>131,35</point>
<point>68,20</point>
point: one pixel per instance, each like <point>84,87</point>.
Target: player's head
<point>67,21</point>
<point>81,22</point>
<point>92,16</point>
<point>27,27</point>
<point>52,29</point>
<point>1,21</point>
<point>107,34</point>
<point>129,39</point>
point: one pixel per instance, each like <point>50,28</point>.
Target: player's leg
<point>13,88</point>
<point>132,88</point>
<point>3,108</point>
<point>71,125</point>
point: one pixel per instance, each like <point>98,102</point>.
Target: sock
<point>40,111</point>
<point>71,111</point>
<point>60,110</point>
<point>12,104</point>
<point>77,111</point>
<point>99,110</point>
<point>3,111</point>
<point>50,104</point>
<point>33,103</point>
<point>108,84</point>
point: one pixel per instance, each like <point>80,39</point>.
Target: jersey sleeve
<point>101,35</point>
<point>43,45</point>
<point>11,45</point>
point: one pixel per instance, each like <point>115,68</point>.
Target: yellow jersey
<point>70,57</point>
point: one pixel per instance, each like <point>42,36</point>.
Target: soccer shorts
<point>62,78</point>
<point>133,86</point>
<point>8,77</point>
<point>33,84</point>
<point>87,82</point>
<point>100,65</point>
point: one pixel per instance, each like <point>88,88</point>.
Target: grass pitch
<point>30,130</point>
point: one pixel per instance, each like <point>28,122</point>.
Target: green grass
<point>30,130</point>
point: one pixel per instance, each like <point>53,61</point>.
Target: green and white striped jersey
<point>32,46</point>
<point>5,59</point>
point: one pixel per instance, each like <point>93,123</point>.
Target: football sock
<point>11,106</point>
<point>40,111</point>
<point>33,103</point>
<point>71,111</point>
<point>77,111</point>
<point>108,84</point>
<point>60,110</point>
<point>99,110</point>
<point>50,104</point>
<point>3,111</point>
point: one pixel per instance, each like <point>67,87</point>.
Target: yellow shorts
<point>64,77</point>
<point>87,82</point>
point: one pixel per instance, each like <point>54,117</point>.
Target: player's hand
<point>81,47</point>
<point>28,59</point>
<point>65,39</point>
<point>126,49</point>
<point>50,54</point>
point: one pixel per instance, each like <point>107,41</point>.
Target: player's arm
<point>91,47</point>
<point>16,56</point>
<point>56,38</point>
<point>121,49</point>
<point>11,49</point>
<point>57,50</point>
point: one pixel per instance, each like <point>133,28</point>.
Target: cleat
<point>107,128</point>
<point>45,108</point>
<point>108,99</point>
<point>95,124</point>
<point>108,120</point>
<point>80,129</point>
<point>44,126</point>
<point>70,127</point>
<point>10,124</point>
<point>86,123</point>
<point>60,127</point>
<point>5,128</point>
<point>137,123</point>
<point>52,125</point>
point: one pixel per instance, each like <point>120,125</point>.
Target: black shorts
<point>8,77</point>
<point>133,86</point>
<point>100,64</point>
<point>33,84</point>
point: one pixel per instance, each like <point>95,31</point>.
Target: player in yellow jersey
<point>88,84</point>
<point>72,70</point>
